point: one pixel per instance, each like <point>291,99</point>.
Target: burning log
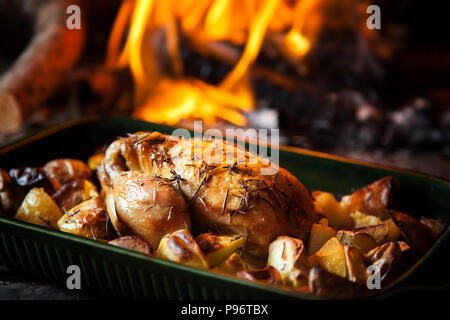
<point>51,53</point>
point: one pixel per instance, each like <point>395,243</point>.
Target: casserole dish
<point>119,272</point>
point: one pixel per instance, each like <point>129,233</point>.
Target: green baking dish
<point>113,271</point>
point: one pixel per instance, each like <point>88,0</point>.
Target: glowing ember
<point>160,98</point>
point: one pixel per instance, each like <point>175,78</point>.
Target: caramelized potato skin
<point>384,232</point>
<point>356,268</point>
<point>133,243</point>
<point>179,246</point>
<point>89,219</point>
<point>218,248</point>
<point>373,199</point>
<point>33,177</point>
<point>10,195</point>
<point>361,241</point>
<point>327,284</point>
<point>419,237</point>
<point>73,193</point>
<point>267,275</point>
<point>389,259</point>
<point>66,170</point>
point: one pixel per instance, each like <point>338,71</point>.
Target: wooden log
<point>52,52</point>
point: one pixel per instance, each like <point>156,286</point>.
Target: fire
<point>162,94</point>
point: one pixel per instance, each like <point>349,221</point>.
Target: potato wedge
<point>318,236</point>
<point>232,265</point>
<point>267,275</point>
<point>295,278</point>
<point>337,215</point>
<point>66,170</point>
<point>74,193</point>
<point>287,253</point>
<point>133,243</point>
<point>331,257</point>
<point>218,248</point>
<point>356,267</point>
<point>33,177</point>
<point>89,219</point>
<point>39,208</point>
<point>419,237</point>
<point>378,232</point>
<point>361,241</point>
<point>389,259</point>
<point>10,195</point>
<point>179,246</point>
<point>324,283</point>
<point>373,199</point>
<point>384,232</point>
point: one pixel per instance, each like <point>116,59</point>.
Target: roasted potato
<point>394,231</point>
<point>232,265</point>
<point>362,220</point>
<point>267,275</point>
<point>89,219</point>
<point>373,199</point>
<point>361,241</point>
<point>73,193</point>
<point>66,170</point>
<point>10,195</point>
<point>179,246</point>
<point>356,268</point>
<point>295,278</point>
<point>319,235</point>
<point>218,248</point>
<point>133,243</point>
<point>39,208</point>
<point>384,232</point>
<point>324,283</point>
<point>33,177</point>
<point>419,237</point>
<point>389,259</point>
<point>95,160</point>
<point>338,216</point>
<point>331,257</point>
<point>286,254</point>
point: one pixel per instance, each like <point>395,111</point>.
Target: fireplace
<point>311,68</point>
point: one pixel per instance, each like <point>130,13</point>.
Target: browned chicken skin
<point>223,196</point>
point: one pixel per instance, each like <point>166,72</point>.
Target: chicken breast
<point>222,183</point>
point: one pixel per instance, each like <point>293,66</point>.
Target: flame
<point>167,96</point>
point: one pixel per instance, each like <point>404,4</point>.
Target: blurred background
<point>311,68</point>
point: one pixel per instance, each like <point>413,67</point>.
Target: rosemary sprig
<point>225,202</point>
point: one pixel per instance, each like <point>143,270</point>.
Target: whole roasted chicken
<point>156,184</point>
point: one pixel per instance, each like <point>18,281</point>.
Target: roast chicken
<point>156,184</point>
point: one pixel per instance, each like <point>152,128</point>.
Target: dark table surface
<point>15,285</point>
